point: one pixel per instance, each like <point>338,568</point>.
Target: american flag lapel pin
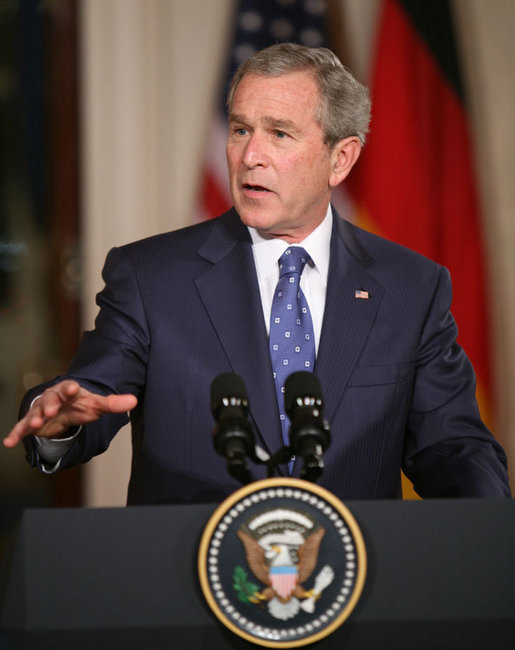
<point>361,294</point>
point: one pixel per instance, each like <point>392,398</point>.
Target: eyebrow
<point>270,122</point>
<point>236,117</point>
<point>281,125</point>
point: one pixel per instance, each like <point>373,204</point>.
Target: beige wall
<point>150,73</point>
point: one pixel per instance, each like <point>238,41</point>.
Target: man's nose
<point>255,152</point>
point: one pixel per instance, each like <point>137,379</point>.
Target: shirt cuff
<point>52,450</point>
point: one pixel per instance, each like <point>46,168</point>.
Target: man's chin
<point>269,230</point>
<point>268,224</point>
<point>262,222</point>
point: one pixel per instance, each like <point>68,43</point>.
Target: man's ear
<point>343,156</point>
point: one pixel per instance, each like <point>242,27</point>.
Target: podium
<point>441,574</point>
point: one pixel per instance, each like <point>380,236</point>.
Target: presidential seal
<point>282,563</point>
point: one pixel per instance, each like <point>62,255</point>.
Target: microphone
<point>309,432</point>
<point>232,434</point>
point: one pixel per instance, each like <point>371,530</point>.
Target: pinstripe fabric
<point>180,308</point>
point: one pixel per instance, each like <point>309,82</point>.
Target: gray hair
<point>344,108</point>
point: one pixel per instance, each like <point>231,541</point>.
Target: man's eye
<point>240,131</point>
<point>281,134</point>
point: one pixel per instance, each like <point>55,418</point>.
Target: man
<point>181,308</point>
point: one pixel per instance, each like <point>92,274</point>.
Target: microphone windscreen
<point>301,384</point>
<point>227,385</point>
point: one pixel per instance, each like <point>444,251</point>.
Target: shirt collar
<point>317,244</point>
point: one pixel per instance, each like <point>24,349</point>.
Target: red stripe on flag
<point>214,199</point>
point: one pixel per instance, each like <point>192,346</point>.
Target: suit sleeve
<point>111,359</point>
<point>449,452</point>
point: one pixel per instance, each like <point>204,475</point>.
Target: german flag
<point>415,181</point>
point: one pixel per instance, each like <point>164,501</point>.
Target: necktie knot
<point>293,260</point>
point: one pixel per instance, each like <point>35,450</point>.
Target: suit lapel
<point>230,294</point>
<point>347,319</point>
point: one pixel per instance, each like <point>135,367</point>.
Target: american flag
<point>362,295</point>
<point>257,24</point>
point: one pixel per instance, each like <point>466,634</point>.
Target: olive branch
<point>245,589</point>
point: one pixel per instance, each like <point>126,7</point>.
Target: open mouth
<point>255,188</point>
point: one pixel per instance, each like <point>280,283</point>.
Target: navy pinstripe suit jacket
<point>180,308</point>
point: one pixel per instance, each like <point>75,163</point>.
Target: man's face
<point>280,170</point>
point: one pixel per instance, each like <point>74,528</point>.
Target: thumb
<point>119,403</point>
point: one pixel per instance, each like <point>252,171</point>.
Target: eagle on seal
<point>284,561</point>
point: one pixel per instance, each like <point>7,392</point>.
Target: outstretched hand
<point>65,405</point>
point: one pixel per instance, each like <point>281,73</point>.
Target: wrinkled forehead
<point>304,74</point>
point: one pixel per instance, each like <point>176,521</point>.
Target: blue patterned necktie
<point>292,341</point>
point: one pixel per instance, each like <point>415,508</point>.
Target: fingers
<point>44,408</point>
<point>14,436</point>
<point>50,403</point>
<point>64,405</point>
